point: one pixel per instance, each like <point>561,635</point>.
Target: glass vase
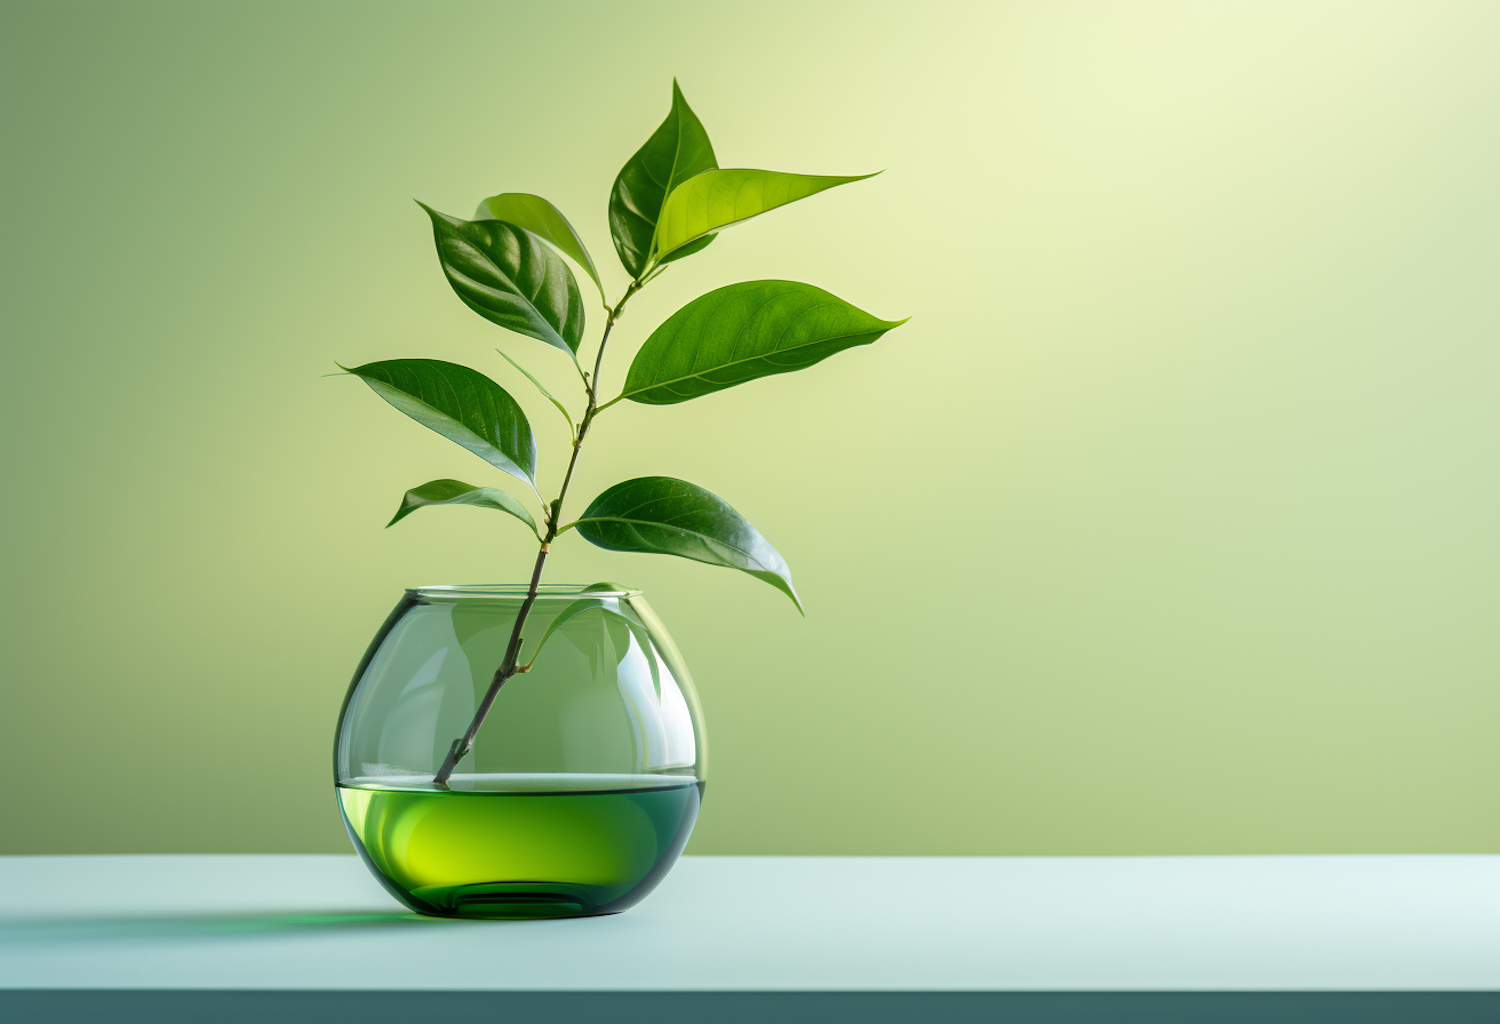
<point>582,785</point>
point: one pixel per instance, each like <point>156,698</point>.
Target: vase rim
<point>515,591</point>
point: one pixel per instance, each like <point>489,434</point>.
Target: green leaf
<point>717,199</point>
<point>578,607</point>
<point>675,152</point>
<point>545,393</point>
<point>643,637</point>
<point>545,221</point>
<point>456,492</point>
<point>743,331</point>
<point>613,615</point>
<point>510,277</point>
<point>662,515</point>
<point>461,404</point>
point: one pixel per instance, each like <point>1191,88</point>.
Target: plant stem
<point>509,664</point>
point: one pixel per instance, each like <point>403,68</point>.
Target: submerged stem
<point>508,665</point>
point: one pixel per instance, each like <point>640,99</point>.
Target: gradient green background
<point>1167,525</point>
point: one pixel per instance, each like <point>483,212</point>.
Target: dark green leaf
<point>461,404</point>
<point>676,151</point>
<point>544,220</point>
<point>510,277</point>
<point>743,331</point>
<point>716,199</point>
<point>662,515</point>
<point>545,393</point>
<point>456,492</point>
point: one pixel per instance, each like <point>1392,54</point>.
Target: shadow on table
<point>210,926</point>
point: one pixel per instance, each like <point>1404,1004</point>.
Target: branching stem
<point>509,664</point>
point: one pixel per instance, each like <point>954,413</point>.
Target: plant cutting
<point>510,265</point>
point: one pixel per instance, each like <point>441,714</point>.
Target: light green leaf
<point>544,220</point>
<point>675,152</point>
<point>743,331</point>
<point>643,638</point>
<point>614,615</point>
<point>510,277</point>
<point>456,492</point>
<point>716,199</point>
<point>578,607</point>
<point>545,393</point>
<point>663,515</point>
<point>463,405</point>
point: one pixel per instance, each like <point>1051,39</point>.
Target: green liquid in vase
<point>521,845</point>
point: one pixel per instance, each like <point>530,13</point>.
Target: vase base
<point>521,846</point>
<point>511,901</point>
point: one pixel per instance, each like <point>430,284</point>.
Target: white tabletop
<point>877,924</point>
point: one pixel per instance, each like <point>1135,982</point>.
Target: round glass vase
<point>583,783</point>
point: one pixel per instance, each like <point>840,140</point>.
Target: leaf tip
<point>435,216</point>
<point>784,585</point>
